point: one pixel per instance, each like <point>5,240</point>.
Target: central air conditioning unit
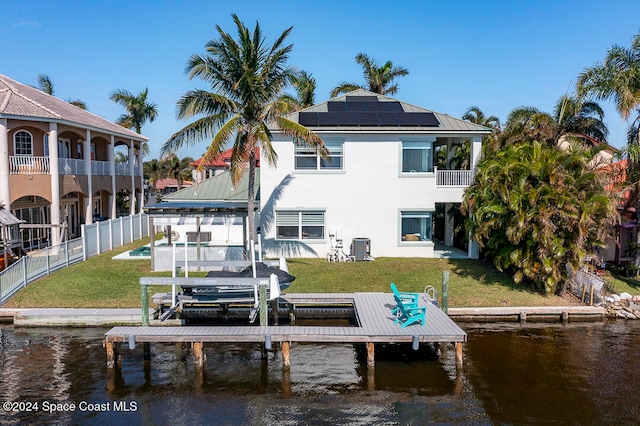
<point>361,249</point>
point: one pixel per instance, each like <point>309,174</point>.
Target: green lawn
<point>101,282</point>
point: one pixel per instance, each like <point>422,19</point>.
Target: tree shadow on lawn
<point>486,273</point>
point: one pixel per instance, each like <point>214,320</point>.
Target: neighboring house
<point>219,164</point>
<point>623,235</point>
<point>58,164</point>
<point>379,186</point>
<point>210,217</point>
<point>170,185</point>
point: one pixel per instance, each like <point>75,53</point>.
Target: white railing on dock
<point>453,177</point>
<point>96,238</point>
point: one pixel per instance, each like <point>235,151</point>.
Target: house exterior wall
<point>363,200</point>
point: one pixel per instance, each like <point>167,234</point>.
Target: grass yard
<point>471,283</point>
<point>102,282</point>
<point>99,282</point>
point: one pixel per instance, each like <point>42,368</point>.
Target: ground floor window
<point>416,226</point>
<point>300,225</point>
<point>33,238</point>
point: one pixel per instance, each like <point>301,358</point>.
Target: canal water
<point>582,374</point>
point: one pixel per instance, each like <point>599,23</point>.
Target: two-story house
<point>58,166</point>
<point>381,184</point>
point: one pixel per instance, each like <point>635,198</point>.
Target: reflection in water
<point>512,374</point>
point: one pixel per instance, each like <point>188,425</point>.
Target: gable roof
<point>21,101</point>
<point>343,112</point>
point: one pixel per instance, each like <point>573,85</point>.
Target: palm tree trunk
<point>251,197</point>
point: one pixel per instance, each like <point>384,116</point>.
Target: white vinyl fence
<point>96,238</point>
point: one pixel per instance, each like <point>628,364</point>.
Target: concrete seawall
<point>108,317</point>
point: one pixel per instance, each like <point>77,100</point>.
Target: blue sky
<point>497,55</point>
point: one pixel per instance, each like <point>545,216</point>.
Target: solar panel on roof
<point>349,119</point>
<point>368,119</point>
<point>358,106</point>
<point>328,119</point>
<point>391,106</point>
<point>387,119</point>
<point>418,119</point>
<point>362,99</point>
<point>378,106</point>
<point>336,106</point>
<point>308,118</point>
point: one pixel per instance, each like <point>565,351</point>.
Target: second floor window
<point>307,157</point>
<point>416,157</point>
<point>23,143</point>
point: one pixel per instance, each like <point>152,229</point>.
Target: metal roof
<point>447,124</point>
<point>177,208</point>
<point>21,101</point>
<point>6,218</point>
<point>217,188</point>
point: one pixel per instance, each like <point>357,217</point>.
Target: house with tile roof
<point>219,164</point>
<point>385,190</point>
<point>57,164</point>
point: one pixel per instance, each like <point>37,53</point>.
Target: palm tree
<point>579,118</point>
<point>46,85</point>
<point>176,168</point>
<point>572,118</point>
<point>378,79</point>
<point>305,87</point>
<point>139,110</point>
<point>153,171</point>
<point>247,77</point>
<point>536,209</point>
<point>475,115</point>
<point>616,78</point>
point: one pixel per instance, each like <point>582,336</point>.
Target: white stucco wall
<point>363,200</point>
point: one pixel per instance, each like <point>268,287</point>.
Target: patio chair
<point>408,299</point>
<point>409,315</point>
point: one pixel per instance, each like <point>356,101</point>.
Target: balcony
<point>26,165</point>
<point>453,178</point>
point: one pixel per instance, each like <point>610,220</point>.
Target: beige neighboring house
<point>57,164</point>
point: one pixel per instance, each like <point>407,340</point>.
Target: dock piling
<point>371,361</point>
<point>286,360</point>
<point>445,292</point>
<point>198,354</point>
<point>459,354</point>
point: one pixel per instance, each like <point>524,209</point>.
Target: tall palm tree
<point>572,118</point>
<point>305,87</point>
<point>46,85</point>
<point>247,76</point>
<point>617,78</point>
<point>176,168</point>
<point>139,110</point>
<point>378,79</point>
<point>580,118</point>
<point>475,115</point>
<point>153,171</point>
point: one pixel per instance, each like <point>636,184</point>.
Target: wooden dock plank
<point>373,313</point>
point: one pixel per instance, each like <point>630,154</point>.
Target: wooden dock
<point>375,324</point>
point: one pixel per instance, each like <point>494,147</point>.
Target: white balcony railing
<point>27,165</point>
<point>453,178</point>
